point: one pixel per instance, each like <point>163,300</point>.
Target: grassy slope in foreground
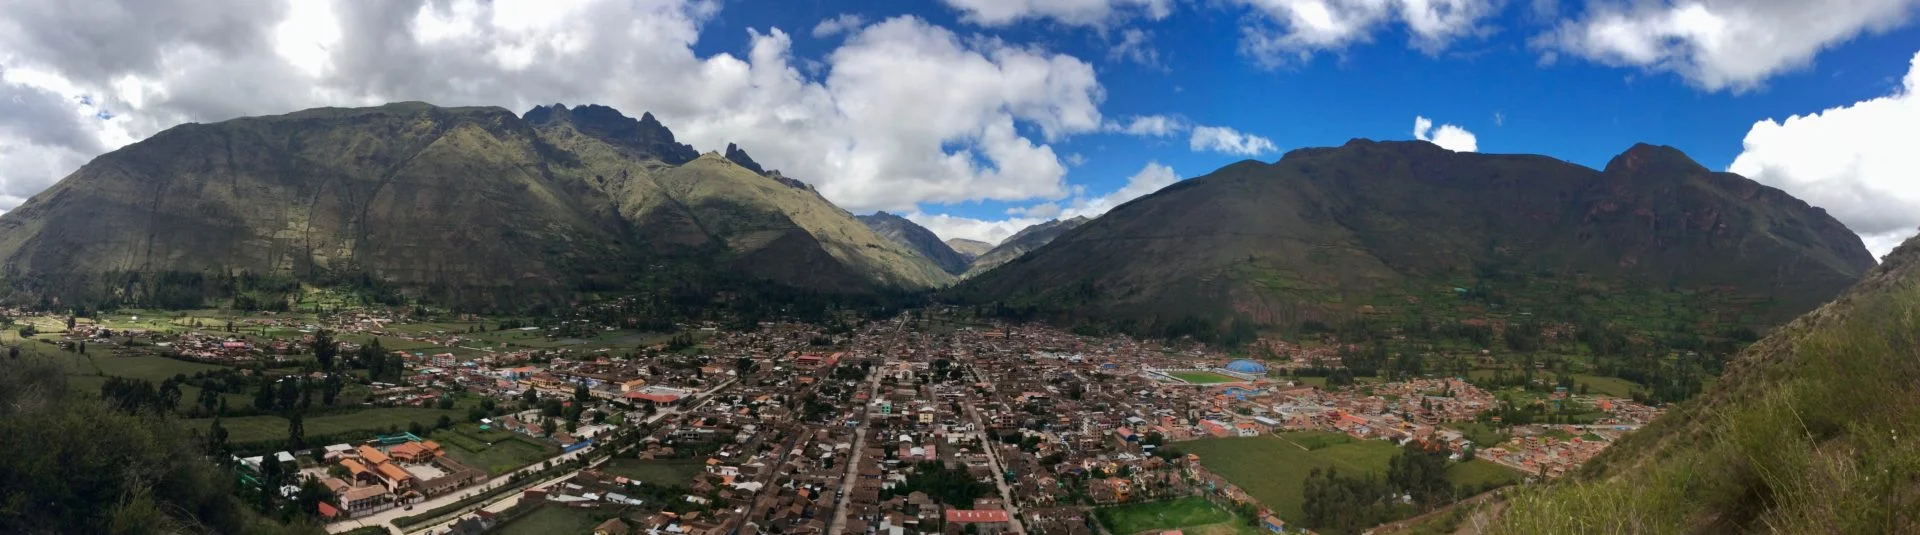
<point>1813,430</point>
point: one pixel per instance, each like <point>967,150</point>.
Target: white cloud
<point>1447,136</point>
<point>1135,45</point>
<point>1721,44</point>
<point>902,112</point>
<point>1149,126</point>
<point>1228,140</point>
<point>1288,30</point>
<point>1068,12</point>
<point>1857,161</point>
<point>846,22</point>
<point>1151,178</point>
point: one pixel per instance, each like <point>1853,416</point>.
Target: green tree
<point>325,348</point>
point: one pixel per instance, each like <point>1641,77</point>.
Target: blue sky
<point>1498,87</point>
<point>978,117</point>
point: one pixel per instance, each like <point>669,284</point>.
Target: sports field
<point>1189,515</point>
<point>1202,378</point>
<point>663,472</point>
<point>1274,468</point>
<point>495,451</point>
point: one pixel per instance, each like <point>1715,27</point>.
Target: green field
<point>1606,386</point>
<point>257,428</point>
<point>1274,468</point>
<point>151,368</point>
<point>495,451</point>
<point>1190,515</point>
<point>658,472</point>
<point>1482,434</point>
<point>557,520</point>
<point>1202,378</point>
<point>1481,472</point>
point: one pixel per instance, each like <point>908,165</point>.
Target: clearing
<point>1274,468</point>
<point>662,472</point>
<point>1202,378</point>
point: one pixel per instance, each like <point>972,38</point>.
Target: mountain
<point>969,249</point>
<point>1411,231</point>
<point>1811,430</point>
<point>1020,243</point>
<point>462,201</point>
<point>917,239</point>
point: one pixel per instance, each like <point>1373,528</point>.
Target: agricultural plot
<point>556,520</point>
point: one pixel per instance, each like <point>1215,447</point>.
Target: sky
<point>977,118</point>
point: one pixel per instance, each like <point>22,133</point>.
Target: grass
<point>1479,473</point>
<point>1274,468</point>
<point>151,368</point>
<point>1202,378</point>
<point>1482,434</point>
<point>658,472</point>
<point>1606,386</point>
<point>246,429</point>
<point>487,450</point>
<point>556,520</point>
<point>1190,515</point>
<point>1814,435</point>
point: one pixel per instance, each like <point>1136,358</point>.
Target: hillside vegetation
<point>1812,430</point>
<point>1408,230</point>
<point>472,206</point>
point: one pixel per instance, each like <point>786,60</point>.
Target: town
<point>924,422</point>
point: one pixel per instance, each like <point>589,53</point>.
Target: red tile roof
<point>972,516</point>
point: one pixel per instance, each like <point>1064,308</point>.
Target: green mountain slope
<point>474,204</point>
<point>1814,429</point>
<point>916,239</point>
<point>1408,228</point>
<point>1020,243</point>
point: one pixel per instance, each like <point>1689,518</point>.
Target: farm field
<point>258,428</point>
<point>494,451</point>
<point>1202,378</point>
<point>1274,468</point>
<point>658,472</point>
<point>1189,515</point>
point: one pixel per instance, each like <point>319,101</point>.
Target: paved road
<point>386,518</point>
<point>853,463</point>
<point>993,459</point>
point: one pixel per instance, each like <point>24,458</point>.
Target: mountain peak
<point>645,136</point>
<point>1644,157</point>
<point>739,156</point>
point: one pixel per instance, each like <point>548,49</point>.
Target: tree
<point>312,493</point>
<point>324,348</point>
<point>330,391</point>
<point>443,423</point>
<point>296,431</point>
<point>217,439</point>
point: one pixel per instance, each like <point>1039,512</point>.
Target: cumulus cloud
<point>1135,45</point>
<point>1447,136</point>
<point>1721,44</point>
<point>846,22</point>
<point>902,112</point>
<point>1149,126</point>
<point>1228,140</point>
<point>1068,12</point>
<point>1285,31</point>
<point>1856,161</point>
<point>1151,178</point>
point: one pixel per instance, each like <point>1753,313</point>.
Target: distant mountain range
<point>473,203</point>
<point>484,207</point>
<point>980,256</point>
<point>969,249</point>
<point>1409,230</point>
